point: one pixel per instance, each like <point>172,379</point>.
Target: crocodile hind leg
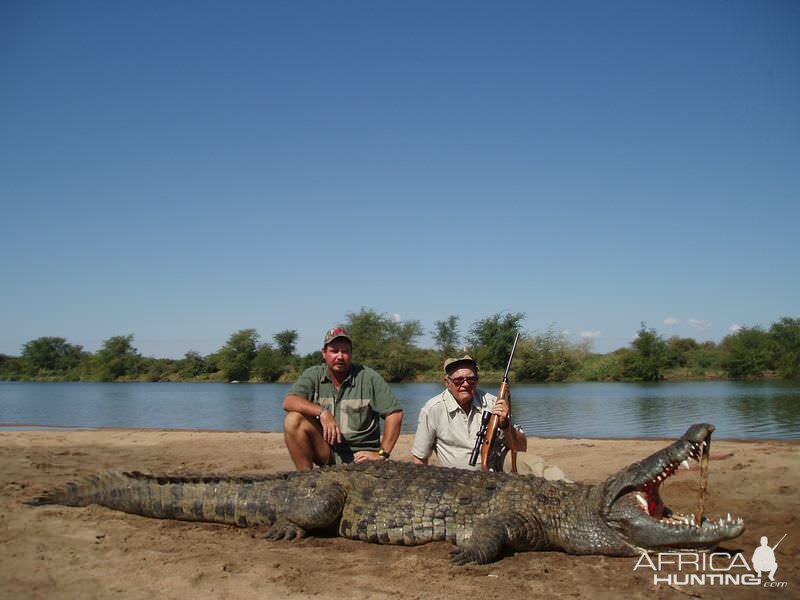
<point>491,535</point>
<point>319,511</point>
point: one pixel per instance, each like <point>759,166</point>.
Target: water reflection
<point>739,410</point>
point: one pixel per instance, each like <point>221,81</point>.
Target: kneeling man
<point>334,410</point>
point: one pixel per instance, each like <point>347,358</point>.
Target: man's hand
<point>330,429</point>
<point>366,456</point>
<point>502,409</point>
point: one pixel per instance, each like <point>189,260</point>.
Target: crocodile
<point>486,515</point>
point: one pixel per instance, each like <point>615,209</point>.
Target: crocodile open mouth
<point>658,525</point>
<point>649,496</point>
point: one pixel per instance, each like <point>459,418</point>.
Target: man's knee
<point>294,421</point>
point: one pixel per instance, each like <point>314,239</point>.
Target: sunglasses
<point>459,381</point>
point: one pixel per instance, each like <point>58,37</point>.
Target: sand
<point>61,552</point>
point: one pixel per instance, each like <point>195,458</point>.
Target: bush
<point>748,353</point>
<point>548,357</point>
<point>786,337</point>
<point>601,367</point>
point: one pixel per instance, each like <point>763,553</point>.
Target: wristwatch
<point>383,453</point>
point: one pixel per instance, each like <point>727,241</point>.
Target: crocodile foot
<point>284,529</point>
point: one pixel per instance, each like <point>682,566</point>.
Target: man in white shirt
<point>449,422</point>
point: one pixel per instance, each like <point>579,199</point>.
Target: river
<point>740,410</point>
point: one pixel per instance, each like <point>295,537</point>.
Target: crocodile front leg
<point>492,534</point>
<point>320,511</point>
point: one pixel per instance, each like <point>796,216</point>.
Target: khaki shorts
<point>340,455</point>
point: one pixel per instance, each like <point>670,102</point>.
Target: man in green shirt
<point>334,410</point>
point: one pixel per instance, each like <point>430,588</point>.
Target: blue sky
<point>182,170</point>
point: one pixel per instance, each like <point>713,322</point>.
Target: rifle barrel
<point>511,357</point>
<point>779,541</point>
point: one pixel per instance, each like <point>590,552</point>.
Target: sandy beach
<point>61,552</point>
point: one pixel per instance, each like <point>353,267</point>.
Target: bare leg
<point>304,441</point>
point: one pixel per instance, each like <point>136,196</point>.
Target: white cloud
<point>734,328</point>
<point>590,335</point>
<point>396,318</point>
<point>671,321</point>
<point>700,324</point>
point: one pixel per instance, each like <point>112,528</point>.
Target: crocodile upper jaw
<point>632,503</point>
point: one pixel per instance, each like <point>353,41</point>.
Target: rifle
<point>492,449</point>
<point>779,542</point>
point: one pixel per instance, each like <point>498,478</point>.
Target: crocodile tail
<point>238,501</point>
<point>90,489</point>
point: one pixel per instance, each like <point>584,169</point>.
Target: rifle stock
<point>486,440</point>
<point>491,430</point>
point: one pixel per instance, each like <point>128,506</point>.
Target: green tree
<point>446,336</point>
<point>706,357</point>
<point>548,357</point>
<point>386,345</point>
<point>9,368</point>
<point>405,332</point>
<point>748,353</point>
<point>236,356</point>
<point>372,331</point>
<point>268,364</point>
<point>647,356</point>
<point>157,369</point>
<point>369,331</point>
<point>309,360</point>
<point>786,336</point>
<point>532,361</point>
<point>117,359</point>
<point>286,341</point>
<point>677,351</point>
<point>193,365</point>
<point>49,357</point>
<point>214,362</point>
<point>401,359</point>
<point>491,339</point>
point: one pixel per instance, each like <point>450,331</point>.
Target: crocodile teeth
<point>685,464</point>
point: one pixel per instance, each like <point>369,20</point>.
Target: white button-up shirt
<point>448,430</point>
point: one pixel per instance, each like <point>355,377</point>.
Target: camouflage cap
<point>336,333</point>
<point>451,364</point>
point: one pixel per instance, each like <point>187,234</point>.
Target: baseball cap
<point>335,333</point>
<point>451,364</point>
